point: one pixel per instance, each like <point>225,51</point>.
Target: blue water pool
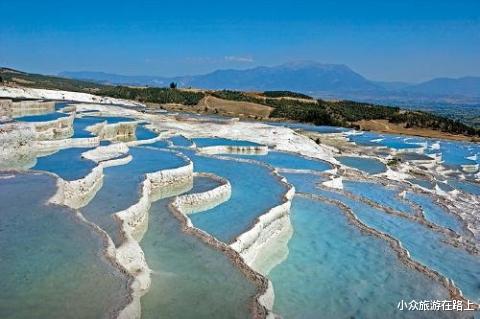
<point>81,123</point>
<point>51,263</point>
<point>203,183</point>
<point>189,278</point>
<point>466,186</point>
<point>333,270</point>
<point>159,144</point>
<point>397,142</point>
<point>289,161</point>
<point>435,213</point>
<point>122,185</point>
<point>422,182</point>
<point>180,140</point>
<point>42,118</point>
<point>455,154</point>
<point>379,194</point>
<point>216,141</point>
<point>254,191</point>
<point>143,133</point>
<point>67,163</point>
<point>425,245</point>
<point>368,165</point>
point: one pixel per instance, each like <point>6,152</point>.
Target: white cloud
<point>242,59</point>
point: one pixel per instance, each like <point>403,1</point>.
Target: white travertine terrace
<point>259,248</point>
<point>16,145</point>
<point>129,254</point>
<point>472,168</point>
<point>78,193</point>
<point>53,145</point>
<point>336,182</point>
<point>107,131</point>
<point>103,153</point>
<point>277,137</point>
<point>234,149</point>
<point>194,203</point>
<point>267,229</point>
<point>55,129</point>
<point>58,95</point>
<point>10,109</point>
<point>199,202</point>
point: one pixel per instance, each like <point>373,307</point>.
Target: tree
<point>1,79</point>
<point>173,85</point>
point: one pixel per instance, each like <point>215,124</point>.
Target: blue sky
<point>383,40</point>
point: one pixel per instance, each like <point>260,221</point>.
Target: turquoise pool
<point>368,165</point>
<point>67,163</point>
<point>189,278</point>
<point>254,191</point>
<point>288,161</point>
<point>122,186</point>
<point>335,271</point>
<point>217,141</point>
<point>51,263</point>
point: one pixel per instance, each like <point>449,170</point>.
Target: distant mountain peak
<point>303,64</point>
<point>304,76</point>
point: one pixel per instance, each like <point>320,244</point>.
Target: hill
<point>286,105</point>
<point>306,77</point>
<point>465,86</point>
<point>317,79</point>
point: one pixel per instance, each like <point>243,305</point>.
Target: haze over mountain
<point>317,79</point>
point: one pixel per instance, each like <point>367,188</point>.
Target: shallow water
<point>216,141</point>
<point>422,182</point>
<point>289,161</point>
<point>42,117</point>
<point>435,213</point>
<point>189,279</point>
<point>50,262</point>
<point>379,194</point>
<point>397,142</point>
<point>159,144</point>
<point>143,133</point>
<point>180,140</point>
<point>455,154</point>
<point>368,165</point>
<point>335,271</point>
<point>254,191</point>
<point>67,163</point>
<point>203,183</point>
<point>81,123</point>
<point>445,187</point>
<point>427,247</point>
<point>304,183</point>
<point>424,245</point>
<point>466,186</point>
<point>122,186</point>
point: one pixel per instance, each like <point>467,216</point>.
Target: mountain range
<point>313,78</point>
